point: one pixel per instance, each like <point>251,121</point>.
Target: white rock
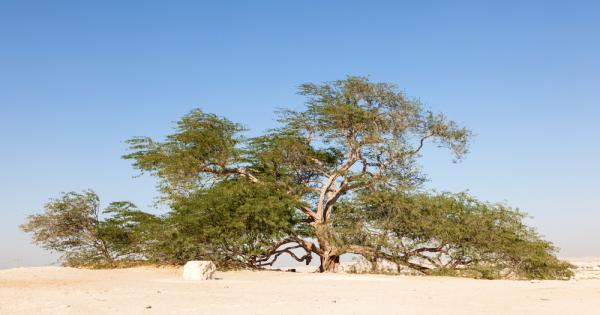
<point>199,270</point>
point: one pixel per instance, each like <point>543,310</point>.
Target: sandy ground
<point>56,290</point>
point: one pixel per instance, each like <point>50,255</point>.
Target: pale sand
<point>56,290</point>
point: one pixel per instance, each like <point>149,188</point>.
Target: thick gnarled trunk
<point>329,263</point>
<point>329,254</point>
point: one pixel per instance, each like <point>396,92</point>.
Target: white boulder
<point>199,270</point>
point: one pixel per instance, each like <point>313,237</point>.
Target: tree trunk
<point>329,263</point>
<point>330,255</point>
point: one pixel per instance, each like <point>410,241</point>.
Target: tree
<point>71,225</point>
<point>353,135</point>
<point>338,177</point>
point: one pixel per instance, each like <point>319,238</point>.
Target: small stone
<point>148,307</point>
<point>199,270</point>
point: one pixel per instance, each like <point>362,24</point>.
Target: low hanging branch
<point>271,256</point>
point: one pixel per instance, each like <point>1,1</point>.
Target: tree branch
<point>312,216</point>
<point>269,258</point>
<point>321,210</point>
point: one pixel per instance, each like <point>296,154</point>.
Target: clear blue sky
<point>78,78</point>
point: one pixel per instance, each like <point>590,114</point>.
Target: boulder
<point>199,270</point>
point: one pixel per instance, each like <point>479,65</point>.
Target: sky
<point>77,78</point>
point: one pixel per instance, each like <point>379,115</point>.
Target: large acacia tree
<point>339,176</point>
<point>352,136</point>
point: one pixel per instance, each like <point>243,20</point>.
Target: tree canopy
<point>72,225</point>
<point>340,176</point>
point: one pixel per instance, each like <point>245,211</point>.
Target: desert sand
<point>58,290</point>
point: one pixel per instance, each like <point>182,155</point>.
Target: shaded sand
<point>56,290</point>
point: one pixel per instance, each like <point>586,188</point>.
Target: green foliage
<point>199,150</point>
<point>287,158</point>
<point>129,233</point>
<point>231,223</point>
<point>374,116</point>
<point>451,234</point>
<point>71,225</point>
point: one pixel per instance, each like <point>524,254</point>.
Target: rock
<point>199,270</point>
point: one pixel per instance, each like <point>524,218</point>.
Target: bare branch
<point>311,214</point>
<point>352,158</point>
<point>269,258</point>
<point>421,144</point>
